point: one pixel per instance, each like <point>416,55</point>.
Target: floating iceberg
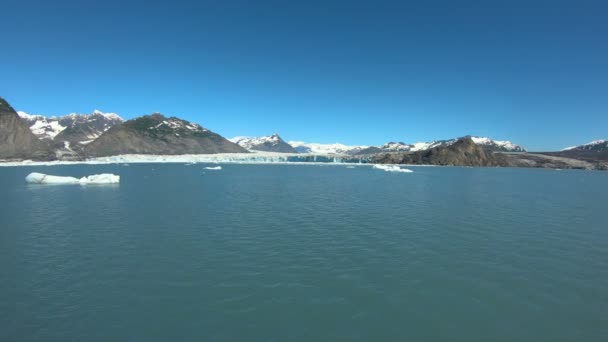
<point>41,178</point>
<point>104,178</point>
<point>213,168</point>
<point>391,168</point>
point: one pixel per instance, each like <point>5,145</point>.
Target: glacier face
<point>326,149</point>
<point>240,158</point>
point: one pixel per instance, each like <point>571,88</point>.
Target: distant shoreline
<point>259,158</point>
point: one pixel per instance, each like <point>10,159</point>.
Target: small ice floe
<point>391,168</point>
<point>213,168</point>
<point>350,167</point>
<point>41,178</point>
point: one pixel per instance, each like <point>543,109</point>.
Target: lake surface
<point>304,253</point>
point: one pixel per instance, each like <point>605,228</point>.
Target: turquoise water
<point>304,253</point>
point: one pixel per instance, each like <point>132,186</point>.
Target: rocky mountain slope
<point>272,143</point>
<point>157,134</point>
<point>16,139</point>
<point>463,152</point>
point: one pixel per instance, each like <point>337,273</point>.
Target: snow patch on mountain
<point>42,127</point>
<point>174,123</point>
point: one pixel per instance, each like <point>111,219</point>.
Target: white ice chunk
<point>41,178</point>
<point>213,168</point>
<point>391,168</point>
<point>104,178</point>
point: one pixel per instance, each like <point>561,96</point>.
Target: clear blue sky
<point>357,72</point>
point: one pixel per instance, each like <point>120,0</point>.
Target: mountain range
<point>98,134</point>
<point>75,128</point>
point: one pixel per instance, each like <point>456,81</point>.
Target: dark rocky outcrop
<point>16,139</point>
<point>157,134</point>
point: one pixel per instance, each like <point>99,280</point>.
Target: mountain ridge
<point>107,134</point>
<point>157,134</point>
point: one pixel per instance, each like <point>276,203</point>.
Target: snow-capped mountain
<point>40,126</point>
<point>325,149</point>
<point>596,145</point>
<point>73,128</point>
<point>160,135</point>
<point>271,143</point>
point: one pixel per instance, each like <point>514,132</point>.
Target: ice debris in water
<point>391,168</point>
<point>213,168</point>
<point>41,178</point>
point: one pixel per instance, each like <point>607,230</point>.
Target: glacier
<point>325,149</point>
<point>41,178</point>
<point>233,158</point>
